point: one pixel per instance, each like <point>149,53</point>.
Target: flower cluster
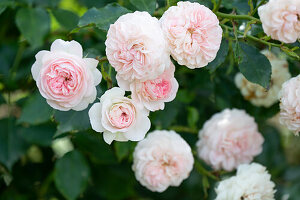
<point>161,160</point>
<point>225,144</point>
<point>251,182</point>
<point>255,93</point>
<point>139,47</point>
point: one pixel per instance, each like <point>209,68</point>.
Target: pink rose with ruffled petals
<point>154,93</point>
<point>64,78</point>
<point>118,117</point>
<point>281,19</point>
<point>228,139</point>
<point>136,47</point>
<point>193,33</point>
<point>161,160</point>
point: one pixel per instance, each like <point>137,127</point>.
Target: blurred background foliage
<point>52,155</point>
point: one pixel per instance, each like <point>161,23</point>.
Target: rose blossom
<point>118,117</point>
<point>161,160</point>
<point>281,19</point>
<point>252,182</point>
<point>258,95</point>
<point>290,104</point>
<point>64,77</point>
<point>154,93</point>
<point>193,34</point>
<point>136,47</point>
<point>228,139</point>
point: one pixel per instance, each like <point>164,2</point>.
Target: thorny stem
<point>282,47</point>
<point>238,17</point>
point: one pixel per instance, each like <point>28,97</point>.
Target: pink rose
<point>64,78</point>
<point>281,19</point>
<point>154,93</point>
<point>118,117</point>
<point>136,47</point>
<point>193,34</point>
<point>161,160</point>
<point>228,139</point>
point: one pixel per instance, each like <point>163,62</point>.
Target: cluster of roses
<point>138,47</point>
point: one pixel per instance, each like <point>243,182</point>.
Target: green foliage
<point>30,115</point>
<point>144,5</point>
<point>71,121</point>
<point>71,175</point>
<point>12,145</point>
<point>66,18</point>
<point>34,24</point>
<point>102,17</point>
<point>220,58</point>
<point>254,65</point>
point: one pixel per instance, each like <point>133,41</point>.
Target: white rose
<point>281,19</point>
<point>252,182</point>
<point>161,160</point>
<point>118,117</point>
<point>136,47</point>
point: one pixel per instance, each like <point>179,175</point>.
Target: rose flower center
<point>121,115</point>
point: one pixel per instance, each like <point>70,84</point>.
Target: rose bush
<point>149,99</point>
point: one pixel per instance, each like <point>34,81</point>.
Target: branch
<point>281,46</point>
<point>238,17</point>
<point>217,6</point>
<point>184,129</point>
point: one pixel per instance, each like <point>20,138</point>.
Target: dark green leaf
<point>71,121</point>
<point>66,18</point>
<point>164,118</point>
<point>94,146</point>
<point>12,145</point>
<point>114,181</point>
<point>2,9</point>
<point>193,117</point>
<point>255,66</point>
<point>103,17</point>
<point>40,135</point>
<point>123,149</point>
<point>34,24</point>
<point>144,5</point>
<point>36,110</point>
<point>220,58</point>
<point>71,175</point>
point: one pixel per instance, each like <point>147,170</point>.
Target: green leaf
<point>164,118</point>
<point>220,58</point>
<point>144,5</point>
<point>36,110</point>
<point>102,17</point>
<point>124,149</point>
<point>2,9</point>
<point>71,175</point>
<point>193,117</point>
<point>12,145</point>
<point>34,24</point>
<point>71,121</point>
<point>255,66</point>
<point>40,135</point>
<point>93,145</point>
<point>66,18</point>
